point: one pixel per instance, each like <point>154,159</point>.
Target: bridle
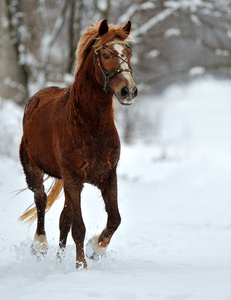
<point>108,75</point>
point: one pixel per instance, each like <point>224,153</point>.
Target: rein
<point>108,75</point>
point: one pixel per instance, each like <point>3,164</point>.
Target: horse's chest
<point>103,156</point>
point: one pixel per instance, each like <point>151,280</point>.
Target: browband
<point>108,44</point>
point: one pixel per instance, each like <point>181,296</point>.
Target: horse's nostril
<point>124,91</point>
<point>135,92</point>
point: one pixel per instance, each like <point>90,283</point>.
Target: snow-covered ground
<point>174,241</point>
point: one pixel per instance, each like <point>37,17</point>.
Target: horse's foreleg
<point>109,193</point>
<point>111,206</point>
<point>75,222</point>
<point>78,234</point>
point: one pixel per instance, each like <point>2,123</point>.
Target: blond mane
<point>91,34</point>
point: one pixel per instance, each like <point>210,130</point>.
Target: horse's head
<point>112,66</point>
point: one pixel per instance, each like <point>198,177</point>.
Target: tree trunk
<point>13,79</point>
<point>74,31</point>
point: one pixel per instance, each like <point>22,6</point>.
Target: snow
<point>222,52</point>
<point>153,54</point>
<point>189,4</point>
<point>147,5</point>
<point>174,198</point>
<point>103,5</point>
<point>11,129</point>
<point>196,71</point>
<point>195,20</point>
<point>172,32</point>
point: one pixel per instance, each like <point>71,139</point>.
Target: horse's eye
<point>105,56</point>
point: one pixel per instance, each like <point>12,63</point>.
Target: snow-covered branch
<point>152,22</point>
<point>133,9</point>
<point>169,8</point>
<point>49,37</point>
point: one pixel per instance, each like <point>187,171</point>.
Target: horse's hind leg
<point>34,179</point>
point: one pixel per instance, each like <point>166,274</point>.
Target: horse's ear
<point>127,27</point>
<point>103,28</point>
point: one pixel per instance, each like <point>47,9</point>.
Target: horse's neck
<point>93,104</point>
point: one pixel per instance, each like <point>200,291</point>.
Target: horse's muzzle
<point>127,95</point>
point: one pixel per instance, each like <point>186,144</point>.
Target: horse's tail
<point>30,214</point>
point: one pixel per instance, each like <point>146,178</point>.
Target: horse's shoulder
<point>41,98</point>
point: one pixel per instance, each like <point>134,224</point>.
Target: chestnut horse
<point>69,134</point>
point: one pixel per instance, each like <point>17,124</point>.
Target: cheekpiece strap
<point>109,75</point>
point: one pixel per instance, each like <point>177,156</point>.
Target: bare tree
<point>74,31</point>
<point>49,36</point>
<point>14,73</point>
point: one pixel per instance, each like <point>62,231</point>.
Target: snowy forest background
<point>174,40</point>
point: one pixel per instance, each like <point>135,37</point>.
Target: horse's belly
<point>41,151</point>
<point>46,161</point>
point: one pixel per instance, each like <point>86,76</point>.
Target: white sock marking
<point>40,244</point>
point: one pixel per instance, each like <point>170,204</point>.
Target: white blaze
<point>124,65</point>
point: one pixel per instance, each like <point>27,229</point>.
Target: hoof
<point>93,250</point>
<point>60,256</point>
<point>39,245</point>
<point>81,265</point>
